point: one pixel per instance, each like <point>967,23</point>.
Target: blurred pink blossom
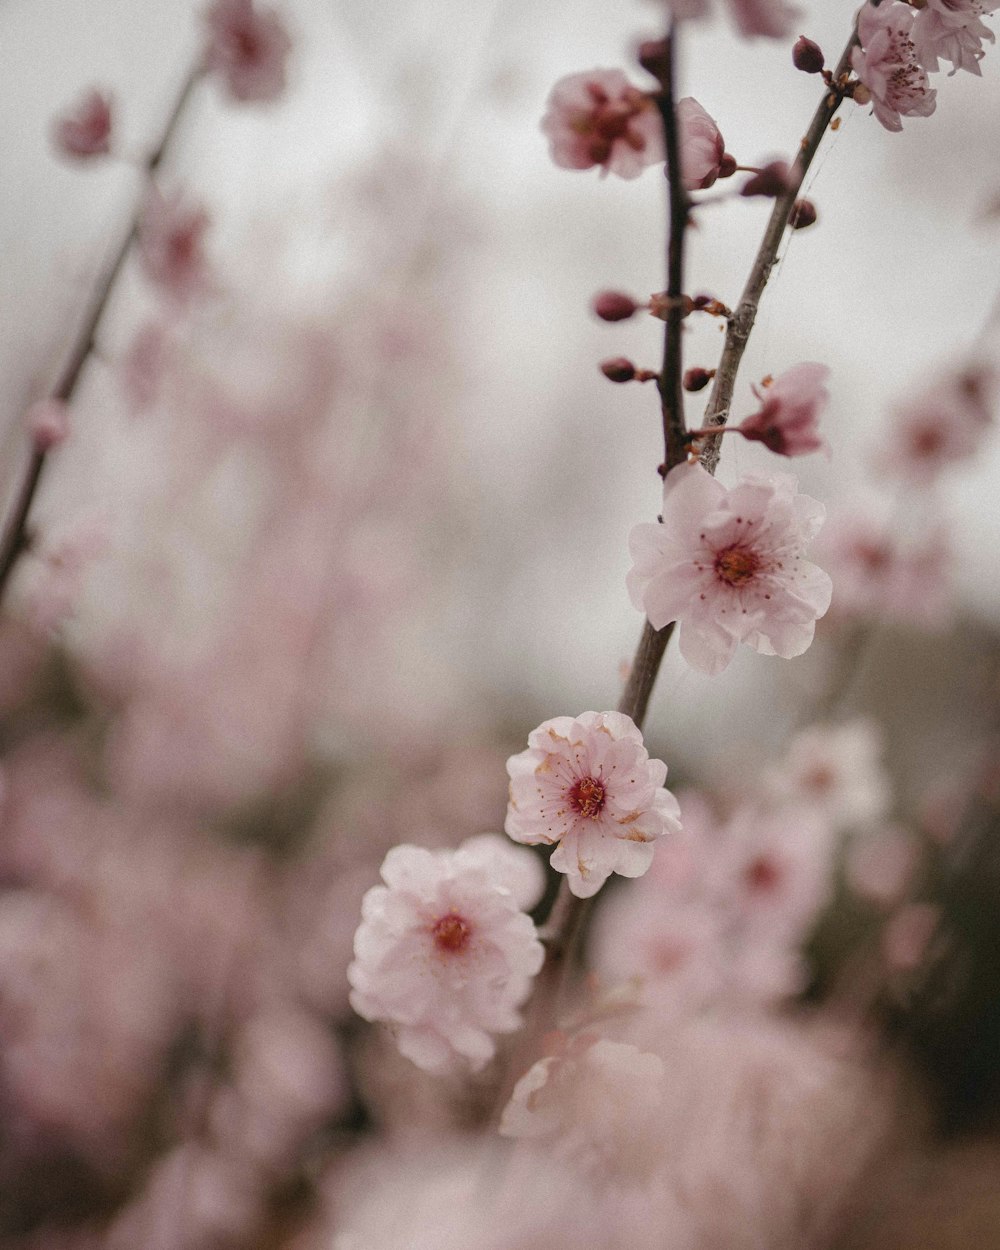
<point>85,131</point>
<point>730,566</point>
<point>887,64</point>
<point>836,770</point>
<point>880,865</point>
<point>599,118</point>
<point>773,19</point>
<point>907,936</point>
<point>788,421</point>
<point>943,424</point>
<point>248,48</point>
<point>587,786</point>
<point>172,244</point>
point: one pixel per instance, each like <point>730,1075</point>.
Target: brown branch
<point>14,540</point>
<point>745,314</point>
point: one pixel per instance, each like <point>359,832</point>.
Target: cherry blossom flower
<point>702,146</point>
<point>772,19</point>
<point>952,30</point>
<point>940,425</point>
<point>887,64</point>
<point>587,786</point>
<point>599,118</point>
<point>248,48</point>
<point>787,422</point>
<point>880,866</point>
<point>444,952</point>
<point>729,565</point>
<point>85,131</point>
<point>171,244</point>
<point>836,770</point>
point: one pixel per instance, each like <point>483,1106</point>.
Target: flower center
<point>737,565</point>
<point>762,874</point>
<point>451,933</point>
<point>587,796</point>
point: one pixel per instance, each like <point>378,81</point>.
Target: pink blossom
<point>587,786</point>
<point>702,146</point>
<point>85,131</point>
<point>772,19</point>
<point>887,64</point>
<point>444,953</point>
<point>171,244</point>
<point>881,865</point>
<point>248,48</point>
<point>787,423</point>
<point>729,565</point>
<point>836,770</point>
<point>951,30</point>
<point>599,118</point>
<point>940,425</point>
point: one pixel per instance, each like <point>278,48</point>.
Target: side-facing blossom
<point>85,131</point>
<point>587,786</point>
<point>703,148</point>
<point>444,953</point>
<point>941,424</point>
<point>600,118</point>
<point>248,48</point>
<point>730,566</point>
<point>787,422</point>
<point>952,30</point>
<point>172,244</point>
<point>887,64</point>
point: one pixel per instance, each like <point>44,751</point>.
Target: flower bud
<point>614,306</point>
<point>803,214</point>
<point>618,369</point>
<point>807,56</point>
<point>697,379</point>
<point>48,423</point>
<point>770,182</point>
<point>727,166</point>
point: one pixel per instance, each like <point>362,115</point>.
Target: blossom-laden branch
<point>15,539</point>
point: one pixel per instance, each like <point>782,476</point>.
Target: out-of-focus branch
<point>14,539</point>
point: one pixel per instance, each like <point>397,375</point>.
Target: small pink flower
<point>835,770</point>
<point>940,425</point>
<point>788,421</point>
<point>85,131</point>
<point>248,49</point>
<point>951,30</point>
<point>702,146</point>
<point>587,786</point>
<point>729,565</point>
<point>771,19</point>
<point>444,953</point>
<point>599,118</point>
<point>887,64</point>
<point>880,866</point>
<point>171,244</point>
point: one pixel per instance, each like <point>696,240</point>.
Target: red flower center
<point>762,874</point>
<point>737,565</point>
<point>587,796</point>
<point>451,933</point>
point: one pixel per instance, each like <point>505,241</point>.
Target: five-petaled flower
<point>729,565</point>
<point>600,118</point>
<point>587,786</point>
<point>887,64</point>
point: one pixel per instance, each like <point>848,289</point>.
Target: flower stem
<point>14,540</point>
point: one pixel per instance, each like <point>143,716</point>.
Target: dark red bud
<point>771,181</point>
<point>654,57</point>
<point>808,56</point>
<point>702,301</point>
<point>803,214</point>
<point>618,369</point>
<point>614,306</point>
<point>697,379</point>
<point>727,166</point>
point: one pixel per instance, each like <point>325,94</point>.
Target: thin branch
<point>14,540</point>
<point>745,313</point>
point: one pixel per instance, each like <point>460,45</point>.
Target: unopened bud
<point>727,166</point>
<point>861,94</point>
<point>808,56</point>
<point>771,181</point>
<point>618,369</point>
<point>614,306</point>
<point>697,379</point>
<point>48,423</point>
<point>803,214</point>
<point>654,57</point>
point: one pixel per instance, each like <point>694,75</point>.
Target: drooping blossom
<point>887,64</point>
<point>953,30</point>
<point>595,1103</point>
<point>703,148</point>
<point>600,118</point>
<point>771,19</point>
<point>248,48</point>
<point>730,566</point>
<point>444,953</point>
<point>940,425</point>
<point>836,770</point>
<point>85,131</point>
<point>587,786</point>
<point>787,422</point>
<point>172,244</point>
